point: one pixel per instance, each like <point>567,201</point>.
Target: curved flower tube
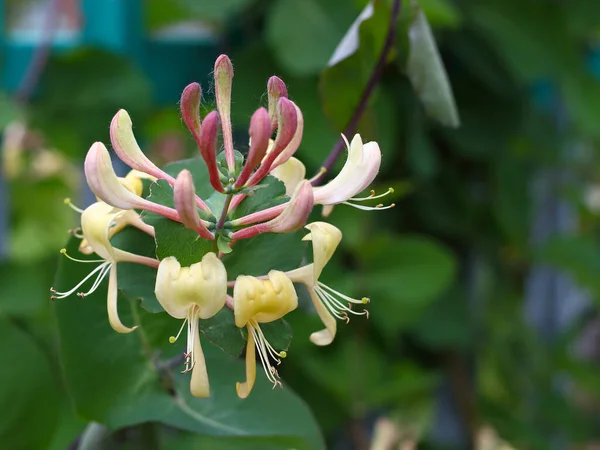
<point>259,301</point>
<point>328,302</point>
<point>96,223</point>
<point>192,293</point>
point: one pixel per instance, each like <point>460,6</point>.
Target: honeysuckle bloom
<point>191,293</point>
<point>328,302</point>
<point>259,301</point>
<point>96,223</point>
<point>359,171</point>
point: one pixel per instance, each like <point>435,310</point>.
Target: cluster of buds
<point>202,289</point>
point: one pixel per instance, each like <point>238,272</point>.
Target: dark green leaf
<point>222,332</point>
<point>265,252</point>
<point>28,391</point>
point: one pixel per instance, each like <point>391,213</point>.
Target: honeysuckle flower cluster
<point>202,289</point>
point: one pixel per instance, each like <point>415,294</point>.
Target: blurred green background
<point>483,279</point>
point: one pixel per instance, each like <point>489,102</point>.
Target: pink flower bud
<point>127,148</point>
<point>260,133</point>
<point>293,145</point>
<point>223,79</point>
<point>184,195</point>
<point>207,145</point>
<point>275,90</point>
<point>288,124</point>
<point>190,108</point>
<point>293,216</point>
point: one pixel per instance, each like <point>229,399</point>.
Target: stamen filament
<point>320,173</point>
<point>99,279</point>
<point>72,206</point>
<point>59,295</point>
<point>379,207</point>
<point>173,339</point>
<point>362,301</point>
<point>64,252</point>
<point>335,306</point>
<point>262,346</point>
<point>373,196</point>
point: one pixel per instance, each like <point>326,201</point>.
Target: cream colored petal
<point>113,314</point>
<point>263,300</point>
<point>169,270</point>
<point>203,284</point>
<point>325,240</point>
<point>96,221</point>
<point>291,173</point>
<point>326,336</point>
<point>358,172</point>
<point>243,389</point>
<point>199,385</point>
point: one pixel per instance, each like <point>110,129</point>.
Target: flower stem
<point>364,98</point>
<point>224,212</point>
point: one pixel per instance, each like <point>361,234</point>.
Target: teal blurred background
<point>483,279</point>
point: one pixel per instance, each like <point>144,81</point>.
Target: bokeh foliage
<point>446,269</point>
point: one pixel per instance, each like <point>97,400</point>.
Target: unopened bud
<point>223,79</point>
<point>260,133</point>
<point>190,108</point>
<point>208,148</point>
<point>184,195</point>
<point>275,90</point>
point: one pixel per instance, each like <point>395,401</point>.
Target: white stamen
<point>373,196</point>
<point>335,306</point>
<point>379,207</point>
<point>101,268</point>
<point>173,339</point>
<point>264,350</point>
<point>64,252</point>
<point>192,329</point>
<point>99,279</point>
<point>72,206</point>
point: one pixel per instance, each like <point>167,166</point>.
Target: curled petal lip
<point>358,172</point>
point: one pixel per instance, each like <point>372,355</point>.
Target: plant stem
<point>366,94</point>
<point>224,212</point>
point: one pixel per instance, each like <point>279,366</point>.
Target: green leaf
<point>173,238</point>
<point>223,245</point>
<point>136,281</point>
<point>303,35</point>
<point>199,172</point>
<point>28,390</point>
<point>404,275</point>
<point>265,252</point>
<point>129,389</point>
<point>427,75</point>
<point>222,332</point>
<point>279,334</point>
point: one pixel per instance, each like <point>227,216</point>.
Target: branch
<point>366,94</point>
<point>40,57</point>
